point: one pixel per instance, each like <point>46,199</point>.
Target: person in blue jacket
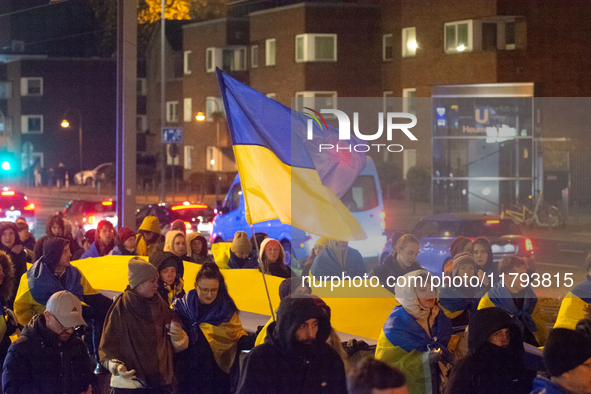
<point>416,334</point>
<point>567,356</point>
<point>104,240</point>
<point>338,259</point>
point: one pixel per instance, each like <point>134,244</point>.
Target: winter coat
<point>75,248</point>
<point>150,223</point>
<point>546,386</point>
<point>40,283</point>
<point>528,318</point>
<point>326,264</point>
<point>250,262</point>
<point>490,369</point>
<point>202,257</point>
<point>278,268</point>
<point>572,308</point>
<point>408,336</point>
<point>18,260</point>
<point>459,303</point>
<point>391,268</point>
<point>283,366</point>
<point>37,363</point>
<point>211,360</point>
<point>119,250</point>
<point>91,252</point>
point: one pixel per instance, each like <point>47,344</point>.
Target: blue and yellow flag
<point>279,178</point>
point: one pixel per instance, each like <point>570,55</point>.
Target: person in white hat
<point>47,357</point>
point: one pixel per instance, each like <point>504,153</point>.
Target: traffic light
<point>7,162</point>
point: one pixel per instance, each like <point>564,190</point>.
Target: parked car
<point>197,217</point>
<point>436,233</point>
<point>14,204</point>
<point>90,176</point>
<point>85,215</point>
<point>363,199</point>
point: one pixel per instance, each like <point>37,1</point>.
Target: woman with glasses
<point>210,317</point>
<point>495,362</point>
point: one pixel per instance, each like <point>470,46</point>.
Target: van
<point>363,199</point>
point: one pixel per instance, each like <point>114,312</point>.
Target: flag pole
<point>256,244</point>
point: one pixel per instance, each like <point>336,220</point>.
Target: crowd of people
<point>58,332</point>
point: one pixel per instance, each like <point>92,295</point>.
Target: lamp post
<point>217,116</point>
<point>65,124</point>
<point>4,142</point>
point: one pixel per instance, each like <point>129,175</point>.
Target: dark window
<point>235,196</point>
<point>510,33</point>
<point>489,36</point>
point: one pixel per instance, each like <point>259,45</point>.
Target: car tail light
<point>30,207</point>
<point>383,220</point>
<point>529,247</point>
<point>91,219</point>
<point>8,193</point>
<point>188,206</point>
<point>107,203</point>
<point>493,221</point>
<point>188,226</point>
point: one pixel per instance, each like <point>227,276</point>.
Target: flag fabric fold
<point>280,180</point>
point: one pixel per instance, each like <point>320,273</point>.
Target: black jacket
<point>37,364</point>
<point>75,248</point>
<point>489,368</point>
<point>282,366</point>
<point>391,268</point>
<point>18,260</point>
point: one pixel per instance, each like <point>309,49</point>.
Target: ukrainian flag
<point>279,178</point>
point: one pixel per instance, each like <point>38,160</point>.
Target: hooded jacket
<point>169,293</point>
<point>489,368</point>
<point>529,318</point>
<point>282,365</point>
<point>202,257</point>
<point>278,268</point>
<point>410,333</point>
<point>18,260</point>
<point>40,283</point>
<point>327,264</point>
<point>36,363</point>
<point>169,246</point>
<point>75,249</point>
<point>391,268</point>
<point>150,223</point>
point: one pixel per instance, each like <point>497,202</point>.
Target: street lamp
<point>65,124</point>
<point>217,116</point>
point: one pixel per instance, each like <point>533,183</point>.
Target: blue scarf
<point>501,297</point>
<point>43,283</point>
<point>583,290</point>
<point>403,330</point>
<point>250,262</point>
<point>455,299</point>
<point>187,309</point>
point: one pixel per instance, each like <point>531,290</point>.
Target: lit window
<point>187,110</point>
<point>409,100</point>
<point>409,42</point>
<point>316,48</point>
<point>227,59</point>
<point>213,105</point>
<point>187,62</point>
<point>510,35</point>
<point>270,52</point>
<point>458,37</point>
<point>172,115</point>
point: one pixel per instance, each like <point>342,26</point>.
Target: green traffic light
<point>5,166</point>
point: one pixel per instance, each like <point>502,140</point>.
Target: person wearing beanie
<point>402,261</point>
<point>258,237</point>
<point>176,242</point>
<point>295,357</point>
<point>124,243</point>
<point>240,252</point>
<point>170,283</point>
<point>52,273</point>
<point>517,300</point>
<point>10,243</point>
<point>141,333</point>
<point>149,238</point>
<point>197,248</point>
<point>415,336</point>
<point>575,303</point>
<point>178,225</point>
<point>459,302</point>
<point>49,357</point>
<point>273,259</point>
<point>319,245</point>
<point>104,240</point>
<point>567,356</point>
<point>216,337</point>
<point>338,258</point>
<point>458,245</point>
<point>495,361</point>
